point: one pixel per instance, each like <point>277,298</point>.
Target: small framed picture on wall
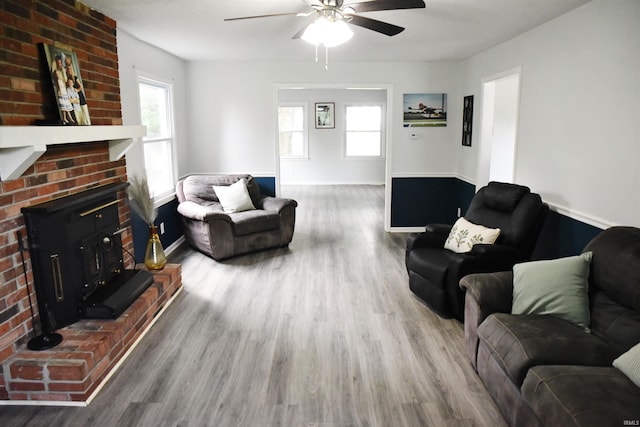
<point>325,115</point>
<point>467,120</point>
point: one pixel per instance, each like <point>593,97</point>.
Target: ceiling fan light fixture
<point>327,32</point>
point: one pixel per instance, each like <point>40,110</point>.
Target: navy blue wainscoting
<point>416,202</point>
<point>563,236</point>
<point>267,185</point>
<point>168,214</point>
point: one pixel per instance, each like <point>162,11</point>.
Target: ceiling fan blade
<point>300,33</point>
<point>373,5</point>
<point>268,16</point>
<point>375,25</point>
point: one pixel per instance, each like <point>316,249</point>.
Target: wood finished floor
<point>325,333</point>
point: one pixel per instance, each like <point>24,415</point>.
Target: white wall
<point>578,141</point>
<point>232,120</point>
<point>326,163</point>
<point>135,56</point>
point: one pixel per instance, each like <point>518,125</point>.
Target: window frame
<point>168,86</point>
<point>305,130</point>
<point>381,131</point>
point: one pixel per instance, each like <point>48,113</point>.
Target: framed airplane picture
<point>424,109</point>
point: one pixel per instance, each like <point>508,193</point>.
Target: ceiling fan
<point>337,10</point>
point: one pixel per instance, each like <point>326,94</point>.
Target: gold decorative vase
<point>154,257</point>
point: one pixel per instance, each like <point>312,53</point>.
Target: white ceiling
<point>444,30</point>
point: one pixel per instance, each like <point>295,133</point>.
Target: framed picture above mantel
<point>68,88</point>
<point>325,115</point>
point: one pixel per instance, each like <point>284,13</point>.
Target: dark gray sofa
<point>543,370</point>
<point>222,235</point>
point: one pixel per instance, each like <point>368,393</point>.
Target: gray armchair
<point>209,229</point>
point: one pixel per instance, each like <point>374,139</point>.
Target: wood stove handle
<point>97,208</point>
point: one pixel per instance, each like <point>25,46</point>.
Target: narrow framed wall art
<point>467,120</point>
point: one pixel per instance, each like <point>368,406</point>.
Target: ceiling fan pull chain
<point>326,58</point>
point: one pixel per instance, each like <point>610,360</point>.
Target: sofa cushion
<point>199,188</point>
<point>254,221</point>
<point>614,285</point>
<point>615,268</point>
<point>557,287</point>
<point>465,234</point>
<point>617,324</point>
<point>581,395</point>
<point>519,342</point>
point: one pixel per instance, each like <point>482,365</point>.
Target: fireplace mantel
<point>21,146</point>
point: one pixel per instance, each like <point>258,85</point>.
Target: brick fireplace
<point>73,370</point>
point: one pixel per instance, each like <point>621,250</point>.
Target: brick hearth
<point>73,371</point>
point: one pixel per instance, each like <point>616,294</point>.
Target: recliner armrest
<point>198,212</point>
<point>439,229</point>
<point>508,254</point>
<point>493,292</point>
<point>275,204</point>
<point>487,293</point>
<point>434,236</point>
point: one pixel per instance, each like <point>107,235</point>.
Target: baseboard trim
<point>406,229</point>
<point>106,379</point>
<point>175,245</point>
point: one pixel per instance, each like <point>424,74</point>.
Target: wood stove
<point>77,258</point>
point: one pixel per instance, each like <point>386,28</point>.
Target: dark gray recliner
<point>221,235</point>
<point>542,370</point>
<point>435,272</point>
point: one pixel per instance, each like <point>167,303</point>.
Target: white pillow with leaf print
<point>465,234</point>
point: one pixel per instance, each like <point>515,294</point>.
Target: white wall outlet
<point>459,212</point>
<point>414,134</point>
<point>162,226</point>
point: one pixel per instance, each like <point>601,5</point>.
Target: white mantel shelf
<point>21,146</point>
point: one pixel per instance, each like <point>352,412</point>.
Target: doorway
<point>372,169</point>
<point>499,127</point>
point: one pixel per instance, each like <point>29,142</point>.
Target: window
<point>156,115</point>
<point>364,131</point>
<point>292,125</point>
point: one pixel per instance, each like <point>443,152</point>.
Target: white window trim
<point>305,129</point>
<point>148,78</point>
<point>383,116</point>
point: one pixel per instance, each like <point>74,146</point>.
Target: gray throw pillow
<point>629,364</point>
<point>555,287</point>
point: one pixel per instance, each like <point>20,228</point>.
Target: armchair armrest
<point>442,230</point>
<point>485,258</point>
<point>486,293</point>
<point>198,212</point>
<point>493,292</point>
<point>434,236</point>
<point>275,204</point>
<point>508,254</point>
